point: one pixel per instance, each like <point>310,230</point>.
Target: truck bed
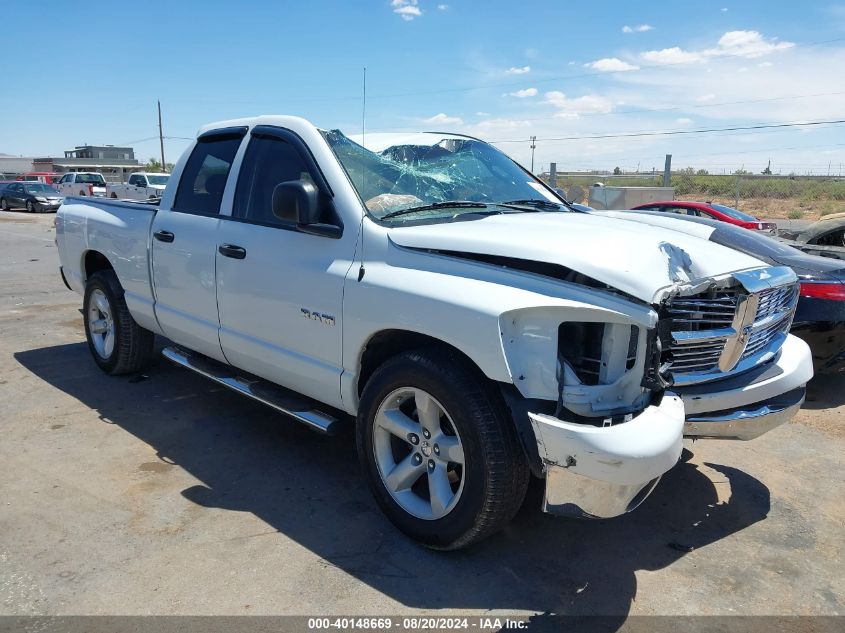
<point>120,231</point>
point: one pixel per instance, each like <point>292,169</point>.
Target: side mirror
<point>296,201</point>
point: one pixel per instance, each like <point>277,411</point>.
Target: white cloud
<point>673,55</point>
<point>524,70</point>
<point>521,94</point>
<point>444,119</point>
<point>442,7</point>
<point>724,9</point>
<point>765,64</point>
<point>708,97</point>
<point>482,114</point>
<point>683,121</point>
<point>611,65</point>
<point>406,9</point>
<point>746,44</point>
<point>640,28</point>
<point>571,108</point>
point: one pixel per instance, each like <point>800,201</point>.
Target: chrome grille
<point>703,312</point>
<point>703,326</point>
<point>774,316</point>
<point>774,301</point>
<point>695,356</point>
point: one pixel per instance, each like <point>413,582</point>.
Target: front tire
<point>118,344</point>
<point>441,456</point>
<point>30,208</point>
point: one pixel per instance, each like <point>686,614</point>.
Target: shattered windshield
<point>437,175</point>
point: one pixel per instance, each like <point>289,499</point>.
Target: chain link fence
<point>779,197</point>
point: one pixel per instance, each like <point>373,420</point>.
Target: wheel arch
<point>94,261</point>
<point>385,344</point>
<point>389,342</point>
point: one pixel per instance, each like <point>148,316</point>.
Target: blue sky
<point>91,73</point>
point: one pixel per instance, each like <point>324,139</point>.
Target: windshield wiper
<point>458,204</point>
<point>531,202</point>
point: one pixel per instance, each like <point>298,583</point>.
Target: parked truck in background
<point>82,183</point>
<point>475,328</point>
<point>139,186</point>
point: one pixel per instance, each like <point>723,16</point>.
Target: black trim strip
<point>320,230</point>
<point>223,133</point>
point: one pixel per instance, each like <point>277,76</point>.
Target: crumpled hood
<point>638,259</point>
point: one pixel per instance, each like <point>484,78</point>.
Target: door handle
<point>164,236</point>
<point>230,250</point>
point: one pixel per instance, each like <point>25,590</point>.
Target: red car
<point>712,211</point>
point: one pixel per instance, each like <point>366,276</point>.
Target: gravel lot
<point>164,494</point>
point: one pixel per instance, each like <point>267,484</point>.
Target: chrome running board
<point>283,400</point>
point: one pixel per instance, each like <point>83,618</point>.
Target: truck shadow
<point>309,488</point>
<point>825,391</point>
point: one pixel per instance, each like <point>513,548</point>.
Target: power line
<point>681,108</point>
<point>677,132</point>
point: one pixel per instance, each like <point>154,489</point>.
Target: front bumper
<point>745,423</point>
<point>746,406</point>
<point>46,206</point>
<point>606,471</point>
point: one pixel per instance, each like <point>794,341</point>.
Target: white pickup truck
<point>82,183</point>
<point>476,328</point>
<point>139,186</point>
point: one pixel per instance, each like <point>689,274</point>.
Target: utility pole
<point>533,145</point>
<point>667,171</point>
<point>161,137</point>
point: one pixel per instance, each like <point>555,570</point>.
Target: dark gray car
<point>35,197</point>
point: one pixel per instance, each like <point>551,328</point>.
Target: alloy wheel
<point>419,453</point>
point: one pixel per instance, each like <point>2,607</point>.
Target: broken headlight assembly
<point>599,366</point>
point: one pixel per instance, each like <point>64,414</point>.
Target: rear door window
<point>204,177</point>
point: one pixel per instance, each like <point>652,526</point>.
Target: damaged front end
<point>609,423</point>
<point>605,428</point>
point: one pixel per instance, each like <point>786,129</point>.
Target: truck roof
<point>375,142</point>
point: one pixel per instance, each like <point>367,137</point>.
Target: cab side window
<point>268,162</point>
<point>204,178</point>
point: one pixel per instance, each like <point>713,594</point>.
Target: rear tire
<point>485,467</point>
<point>118,344</point>
<point>4,205</point>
